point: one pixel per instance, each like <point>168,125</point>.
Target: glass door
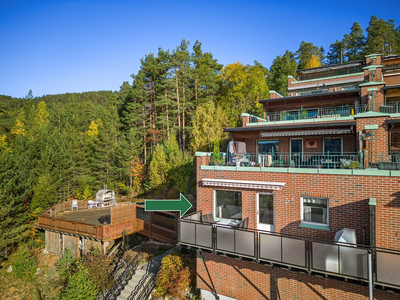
<point>296,152</point>
<point>265,212</point>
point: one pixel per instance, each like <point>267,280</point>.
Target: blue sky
<point>55,47</point>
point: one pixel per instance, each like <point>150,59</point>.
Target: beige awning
<point>259,185</point>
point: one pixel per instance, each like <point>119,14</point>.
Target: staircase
<point>143,281</point>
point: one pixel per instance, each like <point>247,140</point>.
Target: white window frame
<point>215,203</point>
<point>314,223</point>
<point>335,138</point>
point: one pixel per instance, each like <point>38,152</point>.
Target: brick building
<point>325,156</point>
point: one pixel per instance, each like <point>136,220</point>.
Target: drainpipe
<point>372,251</point>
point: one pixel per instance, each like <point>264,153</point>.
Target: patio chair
<point>74,204</point>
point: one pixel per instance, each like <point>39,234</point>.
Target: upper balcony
<point>330,71</point>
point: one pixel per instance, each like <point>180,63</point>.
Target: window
<point>315,210</point>
<point>228,205</point>
<point>334,146</point>
<point>267,146</point>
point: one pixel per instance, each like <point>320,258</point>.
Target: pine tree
<point>335,53</point>
<point>305,52</point>
<point>353,43</point>
<point>282,67</point>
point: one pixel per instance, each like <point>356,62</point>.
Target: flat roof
<point>290,126</point>
<point>336,66</point>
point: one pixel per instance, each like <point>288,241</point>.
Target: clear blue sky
<point>54,47</point>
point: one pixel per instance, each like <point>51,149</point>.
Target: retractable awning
<point>306,132</point>
<point>259,185</point>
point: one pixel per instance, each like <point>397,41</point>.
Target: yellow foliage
<point>3,142</point>
<point>42,116</point>
<point>93,130</point>
<point>314,62</point>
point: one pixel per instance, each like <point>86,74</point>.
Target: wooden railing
<point>123,219</point>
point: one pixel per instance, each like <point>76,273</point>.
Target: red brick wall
<point>348,202</point>
<point>246,280</point>
<point>380,139</point>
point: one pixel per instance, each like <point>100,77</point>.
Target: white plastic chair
<point>74,204</point>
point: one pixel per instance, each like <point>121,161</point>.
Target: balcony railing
<point>315,113</point>
<point>326,160</point>
<point>310,254</point>
<point>391,66</point>
<point>320,89</point>
<point>330,72</point>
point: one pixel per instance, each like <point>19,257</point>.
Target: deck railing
<point>309,254</point>
<point>316,113</point>
<point>330,72</point>
<point>323,160</point>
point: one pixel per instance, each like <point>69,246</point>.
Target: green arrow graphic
<point>182,205</point>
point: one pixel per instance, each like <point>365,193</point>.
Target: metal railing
<point>326,88</point>
<point>324,160</point>
<point>391,66</point>
<point>316,113</point>
<point>122,277</point>
<point>330,72</point>
<point>349,261</point>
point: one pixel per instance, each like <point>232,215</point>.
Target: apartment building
<point>324,157</point>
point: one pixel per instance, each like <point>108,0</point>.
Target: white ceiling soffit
<point>258,185</point>
<point>305,132</point>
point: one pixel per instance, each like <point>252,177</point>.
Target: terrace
<point>341,260</point>
<point>106,224</point>
<point>316,113</point>
<point>329,71</point>
<point>306,160</point>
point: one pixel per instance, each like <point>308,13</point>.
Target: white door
<point>265,212</point>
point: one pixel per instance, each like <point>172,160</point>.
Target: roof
<point>291,126</point>
<point>391,87</point>
<point>341,93</point>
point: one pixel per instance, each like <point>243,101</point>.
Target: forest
<point>140,140</point>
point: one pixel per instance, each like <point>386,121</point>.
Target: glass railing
<point>312,113</point>
<point>325,160</point>
<point>311,254</point>
<point>330,72</point>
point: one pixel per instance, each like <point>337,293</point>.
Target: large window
<point>315,210</point>
<point>334,146</point>
<point>228,204</point>
<point>267,146</point>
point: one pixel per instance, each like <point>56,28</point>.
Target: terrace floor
<point>94,216</point>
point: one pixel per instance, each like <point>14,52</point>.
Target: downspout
<point>372,252</point>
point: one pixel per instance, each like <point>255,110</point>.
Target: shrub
<point>64,265</point>
<point>99,269</point>
<point>25,264</point>
<point>79,286</point>
<point>173,277</point>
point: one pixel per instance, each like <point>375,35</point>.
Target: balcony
<point>329,72</point>
<point>347,261</point>
<point>319,89</point>
<point>319,160</point>
<point>316,113</point>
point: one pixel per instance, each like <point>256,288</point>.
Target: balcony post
<point>372,235</point>
<point>370,278</point>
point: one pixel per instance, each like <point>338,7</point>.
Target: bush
<point>173,278</point>
<point>64,265</point>
<point>99,269</point>
<point>79,286</point>
<point>25,264</point>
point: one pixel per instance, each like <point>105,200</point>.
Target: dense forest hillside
<point>142,138</point>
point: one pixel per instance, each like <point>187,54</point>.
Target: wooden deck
<point>106,224</point>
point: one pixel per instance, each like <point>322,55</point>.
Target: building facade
<point>324,157</point>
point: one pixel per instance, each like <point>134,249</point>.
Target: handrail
<point>121,280</point>
<point>306,253</point>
